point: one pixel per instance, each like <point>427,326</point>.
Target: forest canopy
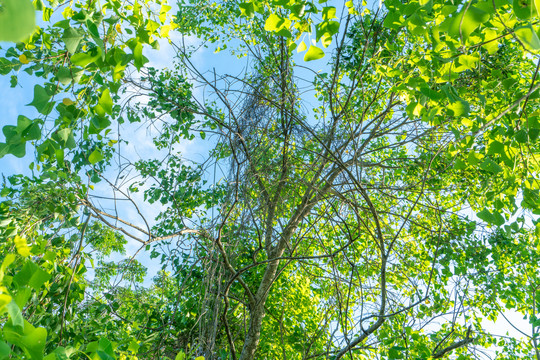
<point>301,180</point>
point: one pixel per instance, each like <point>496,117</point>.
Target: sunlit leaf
<point>72,39</point>
<point>41,100</point>
<point>528,37</point>
<point>17,20</point>
<point>95,157</point>
<point>313,53</point>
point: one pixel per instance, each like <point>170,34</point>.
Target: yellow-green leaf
<point>328,12</point>
<point>21,246</point>
<point>527,36</point>
<point>95,157</point>
<point>314,53</point>
<point>17,20</point>
<point>23,59</point>
<point>67,101</point>
<point>274,22</point>
<point>105,101</point>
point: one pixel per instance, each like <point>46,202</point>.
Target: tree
<point>368,190</point>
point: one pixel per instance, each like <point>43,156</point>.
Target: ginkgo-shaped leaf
<point>313,53</point>
<point>17,20</point>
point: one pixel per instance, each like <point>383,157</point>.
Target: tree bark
<point>257,311</point>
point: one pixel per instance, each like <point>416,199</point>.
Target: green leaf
<point>14,80</point>
<point>71,38</point>
<point>393,20</point>
<point>4,149</point>
<point>18,150</point>
<point>327,29</point>
<point>85,59</point>
<point>524,9</point>
<point>459,108</point>
<point>298,9</point>
<point>107,348</point>
<point>521,136</point>
<point>63,134</point>
<point>467,21</point>
<point>41,100</point>
<point>17,20</point>
<point>8,260</point>
<point>491,166</point>
<point>460,164</point>
<point>105,102</point>
<point>22,296</point>
<point>98,123</point>
<point>468,61</point>
<point>5,350</point>
<point>395,352</point>
<point>32,132</point>
<point>140,60</point>
<point>537,7</point>
<point>496,147</point>
<point>31,275</point>
<point>528,37</point>
<point>95,157</point>
<point>301,47</point>
<point>432,94</point>
<point>328,12</point>
<point>488,217</point>
<point>31,339</point>
<point>180,356</point>
<point>274,22</point>
<point>64,75</point>
<point>15,314</point>
<point>65,138</point>
<point>314,53</point>
<point>11,134</point>
<point>23,123</point>
<point>247,9</point>
<point>93,30</point>
<point>104,356</point>
<point>134,346</point>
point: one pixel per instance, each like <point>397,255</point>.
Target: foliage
<point>367,185</point>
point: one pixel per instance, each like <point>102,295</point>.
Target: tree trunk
<point>257,310</point>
